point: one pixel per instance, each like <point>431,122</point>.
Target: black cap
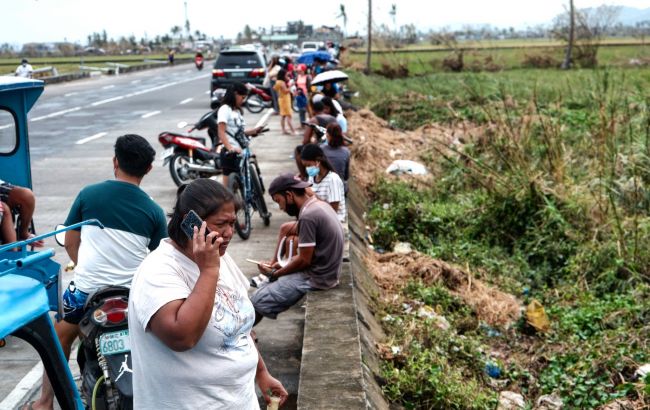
<point>286,181</point>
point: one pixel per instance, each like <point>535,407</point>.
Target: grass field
<point>494,59</point>
<point>71,64</point>
<point>549,202</point>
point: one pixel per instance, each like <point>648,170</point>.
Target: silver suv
<point>238,65</point>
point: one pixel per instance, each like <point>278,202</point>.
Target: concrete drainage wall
<point>339,362</point>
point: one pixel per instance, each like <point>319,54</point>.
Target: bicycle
<point>248,188</point>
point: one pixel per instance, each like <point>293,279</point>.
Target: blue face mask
<point>313,171</point>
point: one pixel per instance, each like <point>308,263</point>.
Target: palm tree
<point>176,30</point>
<point>344,16</point>
<point>393,14</point>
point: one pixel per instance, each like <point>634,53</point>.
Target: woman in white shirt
<point>230,123</point>
<point>326,183</point>
<point>190,317</point>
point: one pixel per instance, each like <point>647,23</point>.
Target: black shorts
<point>229,161</point>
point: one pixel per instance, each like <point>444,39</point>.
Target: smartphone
<point>190,221</point>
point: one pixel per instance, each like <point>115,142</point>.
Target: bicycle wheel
<point>243,223</point>
<point>258,195</point>
<point>254,103</point>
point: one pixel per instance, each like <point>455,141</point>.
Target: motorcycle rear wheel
<point>244,215</point>
<point>178,172</point>
<point>254,103</point>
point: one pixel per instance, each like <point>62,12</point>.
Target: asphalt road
<point>72,130</point>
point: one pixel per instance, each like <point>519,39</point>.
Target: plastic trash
<point>493,370</point>
<point>405,166</point>
<point>509,400</point>
<point>536,316</point>
<point>642,371</point>
<point>402,248</point>
<point>548,402</point>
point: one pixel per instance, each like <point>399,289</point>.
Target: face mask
<point>313,171</point>
<point>291,209</point>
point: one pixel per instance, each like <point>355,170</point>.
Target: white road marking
<point>55,114</point>
<point>150,114</point>
<point>135,81</point>
<point>106,87</point>
<point>23,387</point>
<point>2,127</point>
<point>92,137</point>
<point>120,97</point>
<point>185,101</point>
<point>70,94</point>
<point>96,103</point>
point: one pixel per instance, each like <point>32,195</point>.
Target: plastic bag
<point>536,316</point>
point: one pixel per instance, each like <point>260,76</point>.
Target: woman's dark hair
<point>282,75</point>
<point>204,196</point>
<point>230,98</point>
<point>336,135</point>
<point>134,154</point>
<point>327,102</point>
<point>313,152</point>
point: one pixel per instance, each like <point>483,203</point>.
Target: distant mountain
<point>629,16</point>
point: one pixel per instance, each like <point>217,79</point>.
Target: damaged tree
<point>583,31</point>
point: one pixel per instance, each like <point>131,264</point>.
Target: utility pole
<point>566,64</point>
<point>369,45</point>
<point>187,21</point>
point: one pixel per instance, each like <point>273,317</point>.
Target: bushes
<point>551,201</point>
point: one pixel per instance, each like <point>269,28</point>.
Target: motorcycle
<point>104,355</point>
<point>258,98</point>
<point>198,61</point>
<point>188,156</point>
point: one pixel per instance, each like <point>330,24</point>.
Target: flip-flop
<point>28,406</point>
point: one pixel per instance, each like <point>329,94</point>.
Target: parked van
<point>311,46</point>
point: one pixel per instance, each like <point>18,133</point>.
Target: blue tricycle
<point>30,282</point>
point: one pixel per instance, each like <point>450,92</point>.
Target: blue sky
<point>55,20</point>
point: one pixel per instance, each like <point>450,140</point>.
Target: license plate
<point>168,152</point>
<point>237,74</point>
<point>115,342</point>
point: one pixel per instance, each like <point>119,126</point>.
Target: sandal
<point>28,406</point>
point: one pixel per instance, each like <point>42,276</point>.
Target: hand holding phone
<point>191,220</point>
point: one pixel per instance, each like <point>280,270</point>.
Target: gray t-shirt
<point>339,157</point>
<point>319,226</point>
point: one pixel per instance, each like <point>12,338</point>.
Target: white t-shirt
<point>331,189</point>
<point>24,70</point>
<point>233,120</point>
<point>217,373</point>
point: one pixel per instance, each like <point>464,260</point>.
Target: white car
<point>310,46</point>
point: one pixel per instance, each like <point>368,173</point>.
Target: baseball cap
<point>286,181</point>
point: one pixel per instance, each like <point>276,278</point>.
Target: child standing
<point>301,103</point>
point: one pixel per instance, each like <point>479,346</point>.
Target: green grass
<point>551,202</point>
<point>66,65</point>
<point>424,62</point>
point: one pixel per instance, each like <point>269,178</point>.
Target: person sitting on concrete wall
<point>317,266</point>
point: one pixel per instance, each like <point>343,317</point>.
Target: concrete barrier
<point>113,69</point>
<point>339,362</point>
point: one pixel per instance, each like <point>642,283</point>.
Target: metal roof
<point>14,83</point>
